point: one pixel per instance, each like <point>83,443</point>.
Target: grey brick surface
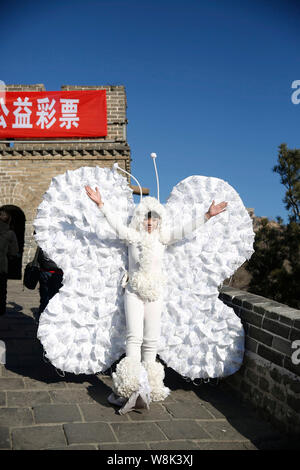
<point>71,396</point>
<point>78,385</point>
<point>242,298</point>
<point>188,410</point>
<point>226,298</point>
<point>218,412</point>
<point>270,355</point>
<point>2,398</point>
<point>183,429</point>
<point>282,345</point>
<point>251,344</point>
<point>260,335</point>
<point>56,413</point>
<point>255,301</point>
<point>288,364</point>
<point>251,317</point>
<point>5,442</point>
<point>27,398</point>
<point>289,319</point>
<point>35,384</point>
<point>261,307</point>
<point>138,432</point>
<point>271,314</point>
<point>16,416</point>
<point>37,437</point>
<point>183,394</point>
<point>276,327</point>
<point>97,412</point>
<point>222,430</point>
<point>81,433</point>
<point>295,335</point>
<point>175,445</point>
<point>7,383</point>
<point>156,412</point>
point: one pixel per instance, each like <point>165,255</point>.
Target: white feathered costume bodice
<point>146,274</point>
<point>83,326</point>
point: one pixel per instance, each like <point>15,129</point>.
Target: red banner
<point>80,113</point>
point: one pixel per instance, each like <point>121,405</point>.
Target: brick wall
<point>26,169</point>
<point>269,377</point>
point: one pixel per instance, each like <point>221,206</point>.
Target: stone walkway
<point>41,410</point>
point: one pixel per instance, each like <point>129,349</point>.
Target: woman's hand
<point>216,209</point>
<point>94,195</point>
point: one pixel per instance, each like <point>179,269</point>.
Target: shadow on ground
<point>243,417</point>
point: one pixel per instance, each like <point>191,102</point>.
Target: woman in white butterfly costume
<point>142,280</point>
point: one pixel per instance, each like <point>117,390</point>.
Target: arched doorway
<point>17,224</point>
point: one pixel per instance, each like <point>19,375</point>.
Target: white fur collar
<point>149,283</point>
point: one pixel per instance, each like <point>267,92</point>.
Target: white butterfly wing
<point>82,328</point>
<point>201,337</point>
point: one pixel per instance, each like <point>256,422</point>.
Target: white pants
<point>143,326</point>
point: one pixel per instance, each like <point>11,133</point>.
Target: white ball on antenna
<point>153,155</point>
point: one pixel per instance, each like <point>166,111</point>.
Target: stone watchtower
<point>27,166</point>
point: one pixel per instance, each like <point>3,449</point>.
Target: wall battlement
<point>270,375</point>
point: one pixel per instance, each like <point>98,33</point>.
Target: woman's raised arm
<point>181,231</point>
<point>122,231</point>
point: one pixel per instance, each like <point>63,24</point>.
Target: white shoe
<point>115,400</point>
<point>135,402</point>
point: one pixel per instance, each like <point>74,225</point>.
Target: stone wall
<point>270,375</point>
<point>26,169</point>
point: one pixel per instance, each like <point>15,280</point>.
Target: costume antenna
<point>117,167</point>
<point>153,156</point>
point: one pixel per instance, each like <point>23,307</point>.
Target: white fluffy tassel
<point>156,376</point>
<point>127,378</point>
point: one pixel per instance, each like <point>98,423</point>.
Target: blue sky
<point>208,82</point>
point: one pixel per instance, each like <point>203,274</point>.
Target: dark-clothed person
<point>8,248</point>
<point>50,279</point>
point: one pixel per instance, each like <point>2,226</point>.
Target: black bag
<point>32,272</point>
